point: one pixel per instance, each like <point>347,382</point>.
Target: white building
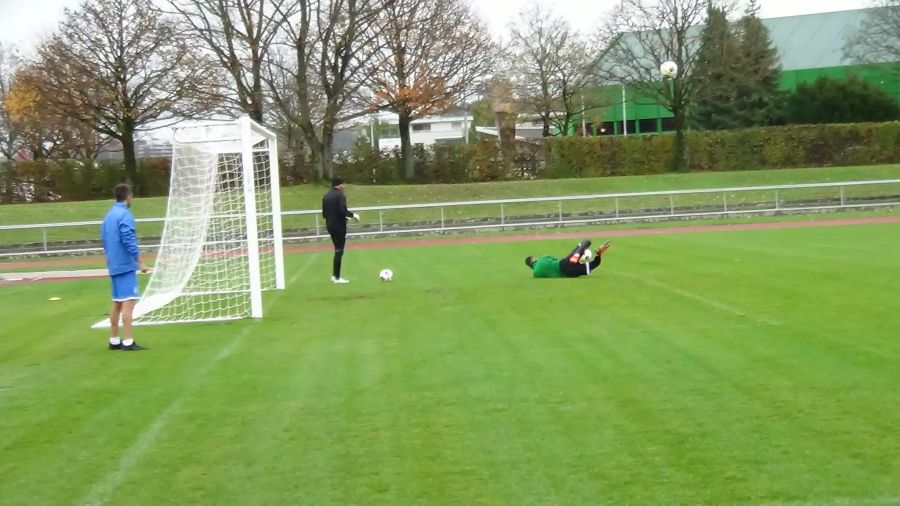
<point>429,131</point>
<point>148,147</point>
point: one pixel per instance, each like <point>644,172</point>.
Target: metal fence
<point>447,217</point>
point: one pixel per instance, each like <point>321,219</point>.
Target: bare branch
<point>119,67</point>
<point>239,35</point>
<point>641,35</point>
<point>878,39</point>
<point>331,45</point>
<point>549,63</point>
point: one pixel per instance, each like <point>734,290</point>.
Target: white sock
<point>114,340</point>
<point>127,342</point>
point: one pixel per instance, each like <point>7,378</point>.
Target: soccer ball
<point>587,256</point>
<point>669,69</point>
<point>386,275</point>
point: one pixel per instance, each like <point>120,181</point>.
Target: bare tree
<point>641,35</point>
<point>878,39</point>
<point>332,44</point>
<point>434,53</point>
<point>550,63</point>
<point>10,137</point>
<point>118,67</point>
<point>239,33</point>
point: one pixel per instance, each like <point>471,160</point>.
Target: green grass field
<point>309,197</point>
<point>740,367</point>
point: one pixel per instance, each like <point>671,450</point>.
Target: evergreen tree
<point>757,95</point>
<point>717,73</point>
<point>848,100</point>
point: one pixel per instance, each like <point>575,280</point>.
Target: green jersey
<point>547,267</point>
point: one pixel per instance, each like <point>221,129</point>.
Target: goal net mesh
<point>203,269</point>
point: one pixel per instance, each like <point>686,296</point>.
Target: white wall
<point>429,131</point>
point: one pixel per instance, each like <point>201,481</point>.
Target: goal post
<point>247,164</point>
<point>221,245</point>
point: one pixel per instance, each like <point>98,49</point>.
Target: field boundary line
<point>100,492</point>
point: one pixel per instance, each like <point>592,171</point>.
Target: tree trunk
<point>256,102</point>
<point>129,155</point>
<point>326,156</point>
<point>545,131</point>
<point>406,154</point>
<point>679,155</point>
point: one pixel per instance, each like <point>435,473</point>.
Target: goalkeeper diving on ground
<point>577,263</point>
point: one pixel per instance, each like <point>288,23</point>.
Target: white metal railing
<point>502,219</point>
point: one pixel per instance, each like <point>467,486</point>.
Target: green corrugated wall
<point>886,76</point>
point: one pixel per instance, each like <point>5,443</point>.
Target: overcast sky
<point>25,22</point>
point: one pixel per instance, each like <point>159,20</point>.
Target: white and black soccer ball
<point>669,69</point>
<point>386,275</point>
<point>587,256</point>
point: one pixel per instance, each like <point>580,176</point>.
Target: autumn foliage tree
<point>9,135</point>
<point>433,53</point>
<point>119,68</point>
<point>43,130</point>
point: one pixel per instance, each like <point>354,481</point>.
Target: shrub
<point>723,150</point>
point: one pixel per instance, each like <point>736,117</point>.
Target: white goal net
<point>221,245</point>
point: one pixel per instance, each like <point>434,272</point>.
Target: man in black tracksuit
<point>334,210</point>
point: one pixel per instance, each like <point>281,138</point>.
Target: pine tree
<point>757,94</point>
<point>717,73</point>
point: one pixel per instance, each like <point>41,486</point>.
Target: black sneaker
<point>133,347</point>
<point>115,346</point>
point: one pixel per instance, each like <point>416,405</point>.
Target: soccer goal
<point>221,244</point>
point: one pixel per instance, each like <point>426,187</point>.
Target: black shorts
<point>338,237</point>
<point>570,270</point>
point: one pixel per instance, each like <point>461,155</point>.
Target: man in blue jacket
<point>123,259</point>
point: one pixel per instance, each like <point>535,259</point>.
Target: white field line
<point>102,489</point>
<point>721,306</point>
<point>837,501</point>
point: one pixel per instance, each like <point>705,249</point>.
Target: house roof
<point>814,40</point>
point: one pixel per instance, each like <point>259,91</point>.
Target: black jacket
<point>334,209</point>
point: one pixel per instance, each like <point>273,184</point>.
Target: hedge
<point>442,163</point>
<point>724,150</point>
<point>728,150</point>
<point>45,181</point>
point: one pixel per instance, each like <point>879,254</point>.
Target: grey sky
<point>25,22</point>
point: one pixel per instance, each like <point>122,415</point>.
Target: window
<point>631,126</point>
<point>421,127</point>
<point>608,128</point>
<point>648,126</point>
<point>668,124</point>
<point>456,125</point>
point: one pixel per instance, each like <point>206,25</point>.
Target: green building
<point>810,46</point>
